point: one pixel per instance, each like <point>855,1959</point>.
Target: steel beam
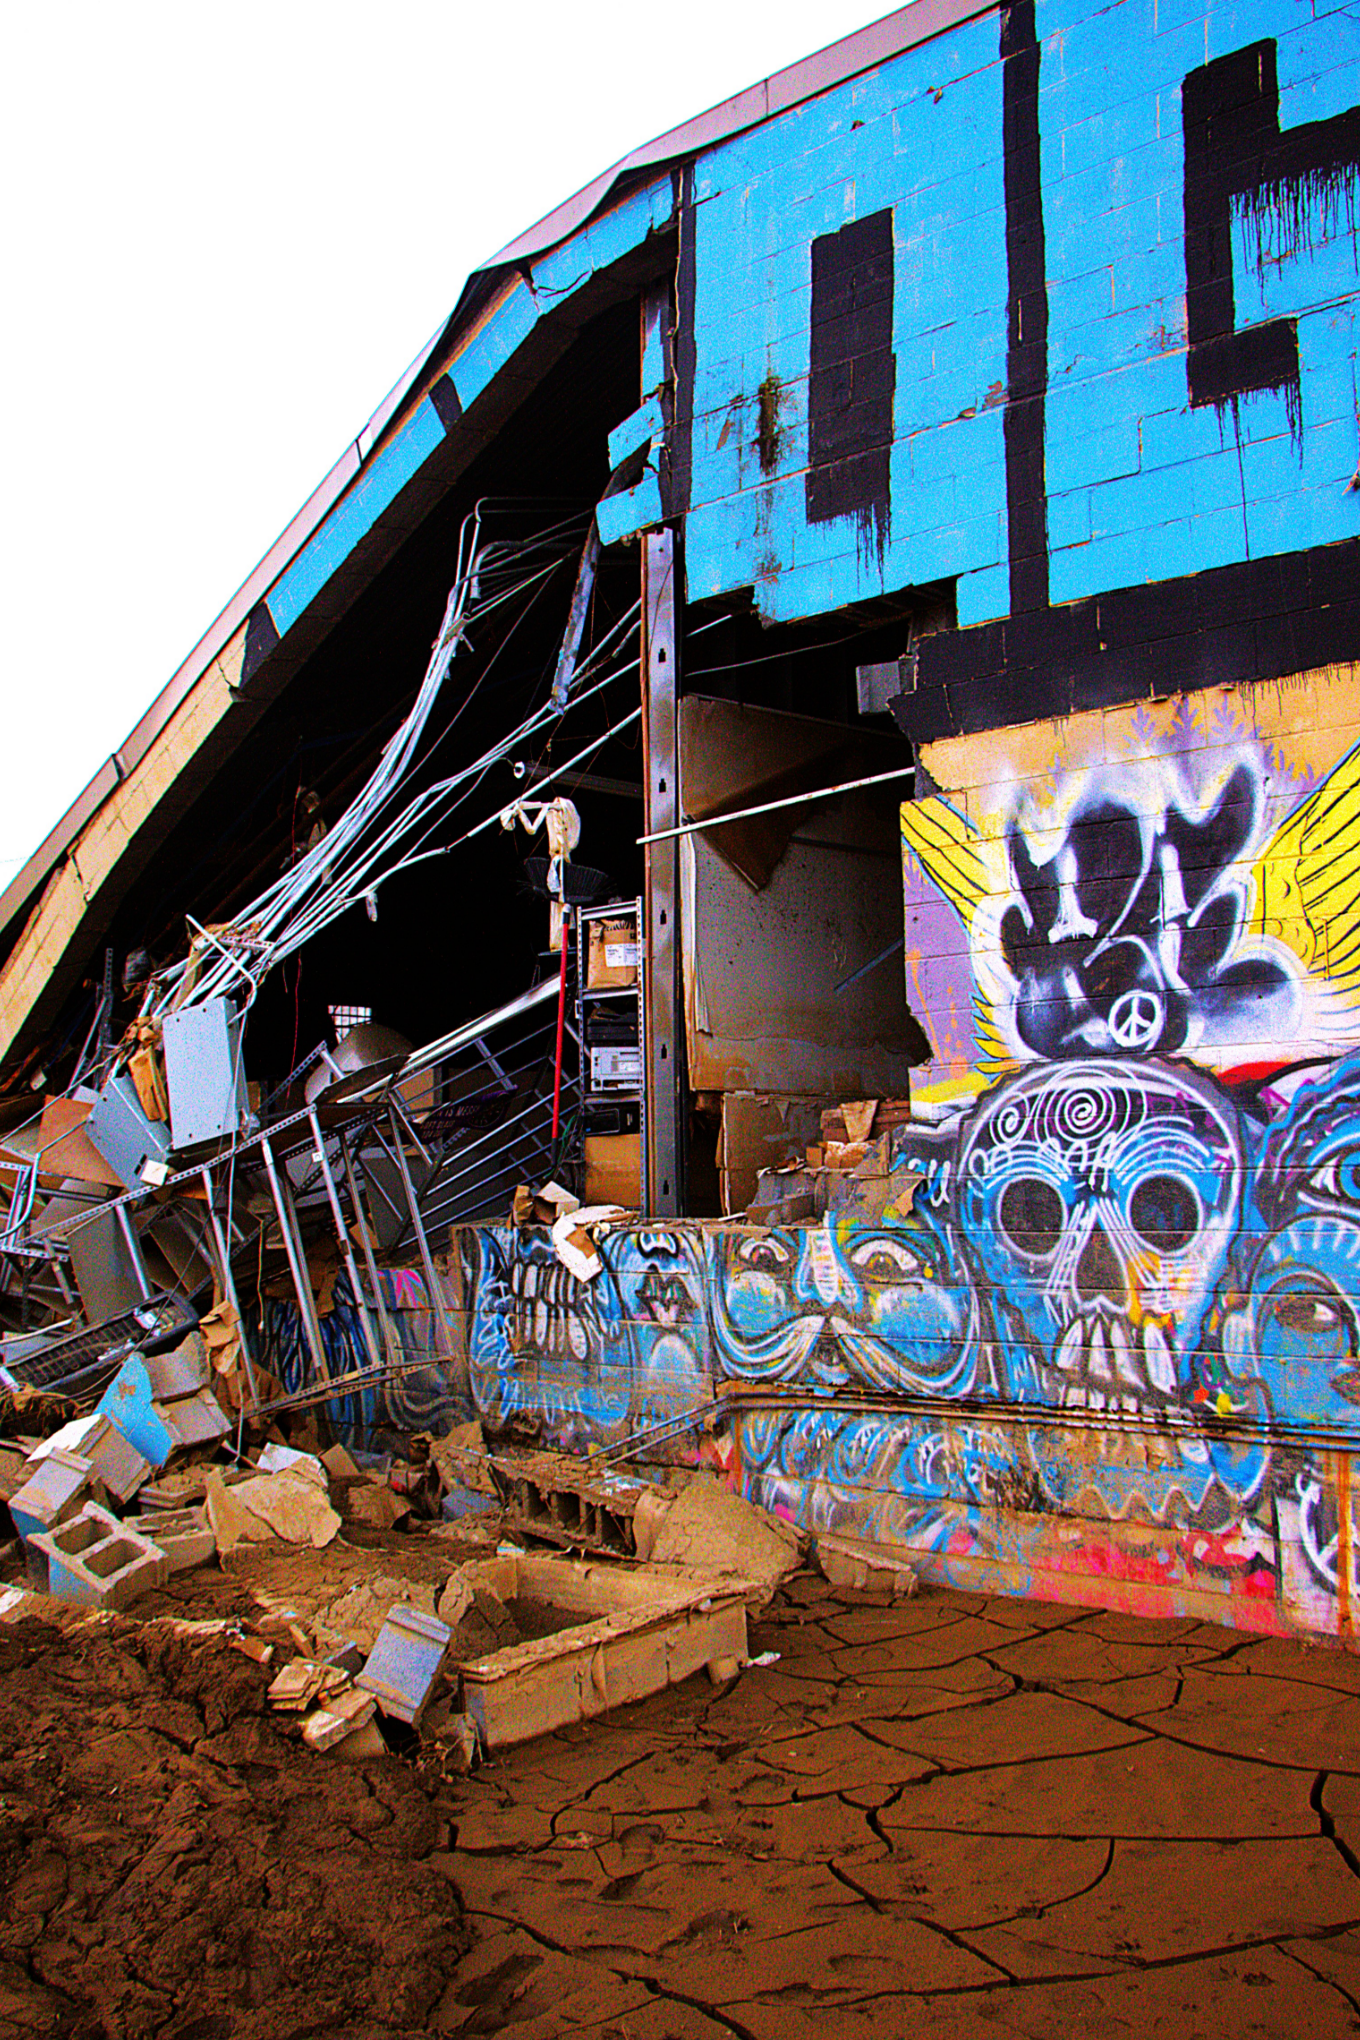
<point>663,1123</point>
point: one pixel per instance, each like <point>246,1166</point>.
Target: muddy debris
<point>174,1861</point>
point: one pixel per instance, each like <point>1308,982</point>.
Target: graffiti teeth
<point>1161,1370</point>
<point>1126,1362</point>
<point>1070,1351</point>
<point>1097,1359</point>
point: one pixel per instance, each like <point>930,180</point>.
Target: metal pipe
<point>564,934</point>
<point>343,1240</point>
<point>768,807</point>
<point>427,1259</point>
<point>229,1284</point>
<point>297,1263</point>
<point>134,1247</point>
<point>391,1344</point>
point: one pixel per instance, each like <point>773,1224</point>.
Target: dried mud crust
<point>174,1863</point>
<point>934,1819</point>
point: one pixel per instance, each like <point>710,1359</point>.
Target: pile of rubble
<point>853,1170</point>
<point>391,1597</point>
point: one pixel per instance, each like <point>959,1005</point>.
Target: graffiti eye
<point>885,1261</point>
<point>1310,1317</point>
<point>765,1254</point>
<point>1032,1215</point>
<point>1165,1212</point>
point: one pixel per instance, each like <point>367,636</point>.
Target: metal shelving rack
<point>597,1090</point>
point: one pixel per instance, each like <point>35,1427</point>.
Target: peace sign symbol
<point>1136,1019</point>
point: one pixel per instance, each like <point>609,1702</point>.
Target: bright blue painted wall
<point>923,136</point>
<point>1141,487</point>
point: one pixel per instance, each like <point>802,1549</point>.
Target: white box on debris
<point>636,1633</point>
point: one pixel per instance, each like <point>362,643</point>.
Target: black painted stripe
<point>1027,312</point>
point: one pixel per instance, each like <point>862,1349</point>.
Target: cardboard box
<point>611,953</point>
<point>614,1169</point>
<point>761,1130</point>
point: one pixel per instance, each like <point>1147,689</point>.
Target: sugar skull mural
<point>1159,1125</point>
<point>1099,1201</point>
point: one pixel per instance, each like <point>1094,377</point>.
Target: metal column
<point>437,1303</point>
<point>663,1123</point>
<point>391,1343</point>
<point>297,1259</point>
<point>343,1239</point>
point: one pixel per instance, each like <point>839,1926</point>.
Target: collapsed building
<point>766,876</point>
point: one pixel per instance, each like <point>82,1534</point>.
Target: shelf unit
<point>611,1030</point>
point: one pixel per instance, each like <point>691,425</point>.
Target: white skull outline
<point>1099,1200</point>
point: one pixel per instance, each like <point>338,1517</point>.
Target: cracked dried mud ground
<point>954,1815</point>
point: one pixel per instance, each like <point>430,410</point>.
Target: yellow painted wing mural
<point>1307,881</point>
<point>946,845</point>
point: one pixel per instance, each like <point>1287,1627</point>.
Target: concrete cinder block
<point>184,1535</point>
<point>60,1483</point>
<point>98,1562</point>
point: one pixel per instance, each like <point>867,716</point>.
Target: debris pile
<point>852,1170</point>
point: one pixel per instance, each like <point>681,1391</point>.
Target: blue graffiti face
<point>586,1361</point>
<point>831,1306</point>
<point>657,1273</point>
<point>1099,1201</point>
<point>1297,1330</point>
<point>543,1347</point>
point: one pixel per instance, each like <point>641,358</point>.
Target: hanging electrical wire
<point>363,849</point>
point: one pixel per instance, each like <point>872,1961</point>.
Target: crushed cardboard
<point>291,1505</point>
<point>573,1238</point>
<point>708,1529</point>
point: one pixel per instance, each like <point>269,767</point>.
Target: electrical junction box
<point>123,1134</point>
<point>616,1066</point>
<point>205,1072</point>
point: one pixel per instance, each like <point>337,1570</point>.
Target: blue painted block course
<point>377,487</point>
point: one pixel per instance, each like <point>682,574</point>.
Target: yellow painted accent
<point>944,843</point>
<point>1307,880</point>
<point>93,861</point>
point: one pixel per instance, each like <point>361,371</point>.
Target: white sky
<point>228,230</point>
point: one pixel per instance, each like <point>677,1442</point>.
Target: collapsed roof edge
<point>901,30</point>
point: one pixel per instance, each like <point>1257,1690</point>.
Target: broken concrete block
<point>119,1465</point>
<point>194,1419</point>
<point>374,1504</point>
<point>59,1485</point>
<point>405,1662</point>
<point>184,1535</point>
<point>298,1684</point>
<point>98,1562</point>
<point>182,1372</point>
<point>289,1505</point>
<point>339,1717</point>
<point>857,1566</point>
<point>361,1745</point>
<point>706,1528</point>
